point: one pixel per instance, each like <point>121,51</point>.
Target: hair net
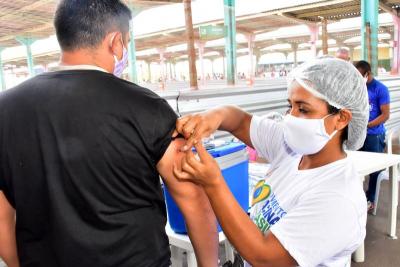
<point>342,86</point>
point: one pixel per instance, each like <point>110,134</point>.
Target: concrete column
<point>250,44</point>
<point>148,70</point>
<point>230,40</point>
<point>294,48</point>
<point>224,66</point>
<point>161,51</point>
<point>174,69</point>
<point>286,54</point>
<point>166,71</point>
<point>212,67</point>
<point>325,37</point>
<point>132,47</point>
<point>171,75</point>
<point>190,45</point>
<point>369,32</point>
<point>314,29</point>
<point>396,46</point>
<point>2,78</point>
<point>200,46</point>
<point>351,52</point>
<point>132,56</point>
<point>27,42</point>
<point>258,55</point>
<point>167,74</point>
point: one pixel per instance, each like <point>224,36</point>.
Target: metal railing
<point>264,97</point>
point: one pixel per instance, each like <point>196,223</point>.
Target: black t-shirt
<point>78,162</point>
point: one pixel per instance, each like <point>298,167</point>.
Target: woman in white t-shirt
<point>311,209</point>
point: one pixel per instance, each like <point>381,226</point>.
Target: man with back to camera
<point>81,153</point>
<point>343,53</point>
<point>379,113</point>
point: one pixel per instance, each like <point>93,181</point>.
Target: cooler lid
<point>226,149</point>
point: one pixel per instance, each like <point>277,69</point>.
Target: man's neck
<point>82,57</point>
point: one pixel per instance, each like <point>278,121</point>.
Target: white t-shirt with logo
<point>318,215</point>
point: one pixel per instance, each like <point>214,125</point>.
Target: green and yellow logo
<point>261,192</point>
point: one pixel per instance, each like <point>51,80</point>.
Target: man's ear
<point>115,44</point>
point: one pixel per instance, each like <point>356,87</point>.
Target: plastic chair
<point>384,175</point>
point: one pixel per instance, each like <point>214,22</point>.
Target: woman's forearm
<point>240,230</point>
<point>257,248</point>
<point>234,120</point>
<point>230,117</point>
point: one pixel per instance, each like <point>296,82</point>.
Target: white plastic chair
<point>384,175</point>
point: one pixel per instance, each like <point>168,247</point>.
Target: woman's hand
<point>203,170</point>
<point>197,126</point>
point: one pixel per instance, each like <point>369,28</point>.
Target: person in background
<point>379,113</point>
<point>81,154</point>
<point>382,70</point>
<point>343,53</point>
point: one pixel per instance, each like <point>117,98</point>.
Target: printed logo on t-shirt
<point>261,192</point>
<point>271,211</point>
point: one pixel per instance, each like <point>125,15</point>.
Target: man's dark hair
<point>85,23</point>
<point>363,66</point>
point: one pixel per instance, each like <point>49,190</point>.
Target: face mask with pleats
<point>120,65</point>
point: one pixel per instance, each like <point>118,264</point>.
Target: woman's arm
<point>226,118</point>
<point>8,244</point>
<point>258,249</point>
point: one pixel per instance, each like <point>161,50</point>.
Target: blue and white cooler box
<point>233,160</point>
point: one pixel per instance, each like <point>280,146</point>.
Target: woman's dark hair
<point>333,110</point>
<point>85,23</point>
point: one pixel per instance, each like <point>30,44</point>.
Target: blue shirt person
<point>379,112</point>
<point>379,100</point>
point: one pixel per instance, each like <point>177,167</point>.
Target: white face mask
<point>366,78</point>
<point>305,136</point>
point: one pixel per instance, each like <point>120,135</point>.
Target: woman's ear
<point>345,117</point>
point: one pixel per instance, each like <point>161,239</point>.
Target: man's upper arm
<point>178,189</point>
<point>7,212</point>
<point>2,183</point>
<point>194,205</point>
<point>171,156</point>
